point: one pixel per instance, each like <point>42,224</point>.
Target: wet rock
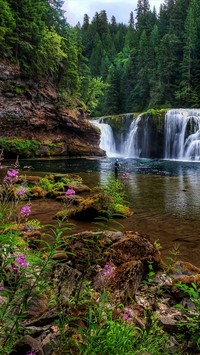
<point>89,208</point>
<point>37,192</point>
<point>32,180</point>
<point>79,188</point>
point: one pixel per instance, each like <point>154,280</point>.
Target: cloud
<point>75,9</point>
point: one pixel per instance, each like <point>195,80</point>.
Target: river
<point>164,195</point>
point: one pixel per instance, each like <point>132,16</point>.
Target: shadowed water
<point>165,197</point>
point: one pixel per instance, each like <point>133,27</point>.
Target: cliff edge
<point>29,113</point>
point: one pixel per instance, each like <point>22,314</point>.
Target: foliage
<point>192,323</point>
<point>47,183</point>
<point>20,146</point>
<point>22,270</point>
<point>115,189</point>
<point>152,61</point>
<point>108,336</point>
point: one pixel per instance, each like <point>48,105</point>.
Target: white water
<point>131,148</point>
<point>182,134</point>
<point>181,141</point>
<point>107,141</point>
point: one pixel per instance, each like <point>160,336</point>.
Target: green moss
<point>23,147</point>
<point>157,116</point>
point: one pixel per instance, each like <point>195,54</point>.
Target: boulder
<point>134,247</point>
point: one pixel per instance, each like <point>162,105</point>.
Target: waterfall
<point>131,146</point>
<point>143,137</point>
<point>107,141</point>
<point>182,134</point>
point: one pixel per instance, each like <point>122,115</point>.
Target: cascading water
<point>182,134</point>
<point>131,147</point>
<point>178,139</point>
<point>107,141</point>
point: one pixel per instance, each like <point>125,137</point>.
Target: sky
<point>75,9</point>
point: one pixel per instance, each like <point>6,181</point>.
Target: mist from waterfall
<point>182,134</point>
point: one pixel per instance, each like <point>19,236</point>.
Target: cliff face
<point>28,111</point>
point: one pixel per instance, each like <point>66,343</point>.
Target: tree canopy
<point>152,61</point>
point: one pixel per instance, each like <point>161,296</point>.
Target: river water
<point>164,195</point>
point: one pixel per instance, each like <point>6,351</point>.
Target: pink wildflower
<point>104,276</point>
<point>69,192</point>
<point>16,268</point>
<point>11,177</point>
<point>25,211</point>
<point>127,315</point>
<point>1,288</point>
<point>21,260</point>
<point>21,191</point>
<point>1,166</point>
<point>107,272</point>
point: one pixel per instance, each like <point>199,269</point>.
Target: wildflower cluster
<point>21,263</point>
<point>25,211</point>
<point>104,276</point>
<point>11,177</point>
<point>21,191</point>
<point>127,316</point>
<point>69,192</point>
<point>107,272</point>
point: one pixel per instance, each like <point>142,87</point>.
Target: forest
<point>153,61</point>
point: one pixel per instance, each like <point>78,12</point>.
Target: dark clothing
<point>116,168</point>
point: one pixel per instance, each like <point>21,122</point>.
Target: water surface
<point>165,197</point>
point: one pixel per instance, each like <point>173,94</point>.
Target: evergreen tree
<point>7,25</point>
<point>189,87</point>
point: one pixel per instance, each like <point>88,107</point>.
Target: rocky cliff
<point>32,123</point>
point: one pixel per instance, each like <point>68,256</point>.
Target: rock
<point>134,247</point>
<point>45,319</point>
<point>79,188</point>
<point>37,305</point>
<point>37,192</point>
<point>168,323</point>
<point>28,344</point>
<point>65,282</point>
<point>60,256</point>
<point>185,273</point>
<point>32,180</point>
<point>33,115</point>
<point>126,280</point>
<point>89,208</point>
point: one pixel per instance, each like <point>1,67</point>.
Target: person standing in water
<point>116,168</point>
